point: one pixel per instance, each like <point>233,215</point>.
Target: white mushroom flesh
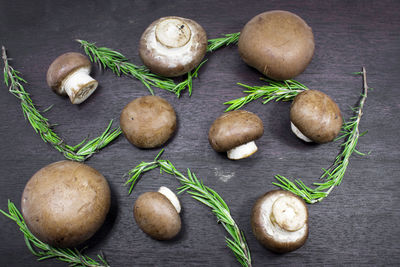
<point>243,151</point>
<point>177,51</point>
<point>79,85</point>
<point>171,197</point>
<point>271,214</point>
<point>299,134</point>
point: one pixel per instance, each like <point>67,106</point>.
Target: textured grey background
<point>356,225</point>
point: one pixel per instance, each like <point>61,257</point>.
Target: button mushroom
<point>235,132</point>
<point>157,214</point>
<point>65,203</point>
<point>277,43</point>
<point>69,75</point>
<point>148,121</point>
<point>315,117</point>
<point>173,46</point>
<point>279,220</point>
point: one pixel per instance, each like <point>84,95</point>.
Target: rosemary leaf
<point>44,251</point>
<point>40,124</point>
<point>332,176</point>
<point>196,188</point>
<point>230,38</point>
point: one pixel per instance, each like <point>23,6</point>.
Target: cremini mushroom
<point>157,214</point>
<point>148,121</point>
<point>279,221</point>
<point>235,132</point>
<point>315,117</point>
<point>172,46</point>
<point>277,43</point>
<point>69,75</point>
<point>65,203</point>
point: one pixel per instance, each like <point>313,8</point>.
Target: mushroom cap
<point>172,59</point>
<point>148,121</point>
<point>316,115</point>
<point>65,203</point>
<point>277,43</point>
<point>266,229</point>
<point>156,216</point>
<point>233,129</point>
<point>63,66</point>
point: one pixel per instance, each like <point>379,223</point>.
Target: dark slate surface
<point>356,225</point>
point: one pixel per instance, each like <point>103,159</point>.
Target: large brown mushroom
<point>279,220</point>
<point>69,75</point>
<point>235,132</point>
<point>315,117</point>
<point>172,46</point>
<point>148,121</point>
<point>157,214</point>
<point>65,203</point>
<point>277,43</point>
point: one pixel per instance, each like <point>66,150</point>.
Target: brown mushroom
<point>172,46</point>
<point>69,75</point>
<point>157,214</point>
<point>277,43</point>
<point>315,117</point>
<point>235,132</point>
<point>279,221</point>
<point>65,203</point>
<point>148,121</point>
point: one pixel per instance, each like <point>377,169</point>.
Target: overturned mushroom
<point>65,203</point>
<point>148,121</point>
<point>277,43</point>
<point>235,132</point>
<point>157,214</point>
<point>315,117</point>
<point>69,75</point>
<point>279,221</point>
<point>173,46</point>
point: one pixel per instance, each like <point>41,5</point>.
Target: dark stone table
<point>356,225</point>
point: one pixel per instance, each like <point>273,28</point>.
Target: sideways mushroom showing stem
<point>315,117</point>
<point>280,221</point>
<point>277,43</point>
<point>69,75</point>
<point>157,214</point>
<point>173,46</point>
<point>148,121</point>
<point>235,132</point>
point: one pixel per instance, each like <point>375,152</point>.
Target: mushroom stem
<point>171,197</point>
<point>79,85</point>
<point>288,213</point>
<point>299,134</point>
<point>242,151</point>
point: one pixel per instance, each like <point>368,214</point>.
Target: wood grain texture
<point>356,225</point>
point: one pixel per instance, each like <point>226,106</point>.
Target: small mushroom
<point>315,117</point>
<point>172,46</point>
<point>235,132</point>
<point>148,121</point>
<point>279,220</point>
<point>277,43</point>
<point>65,203</point>
<point>157,214</point>
<point>69,75</point>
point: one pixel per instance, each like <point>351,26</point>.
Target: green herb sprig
<point>44,251</point>
<point>196,188</point>
<point>333,176</point>
<point>285,91</point>
<point>227,39</point>
<point>41,125</point>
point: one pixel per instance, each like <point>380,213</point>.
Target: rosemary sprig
<point>285,91</point>
<point>216,43</point>
<point>196,188</point>
<point>188,82</point>
<point>40,124</point>
<point>333,176</point>
<point>45,251</point>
